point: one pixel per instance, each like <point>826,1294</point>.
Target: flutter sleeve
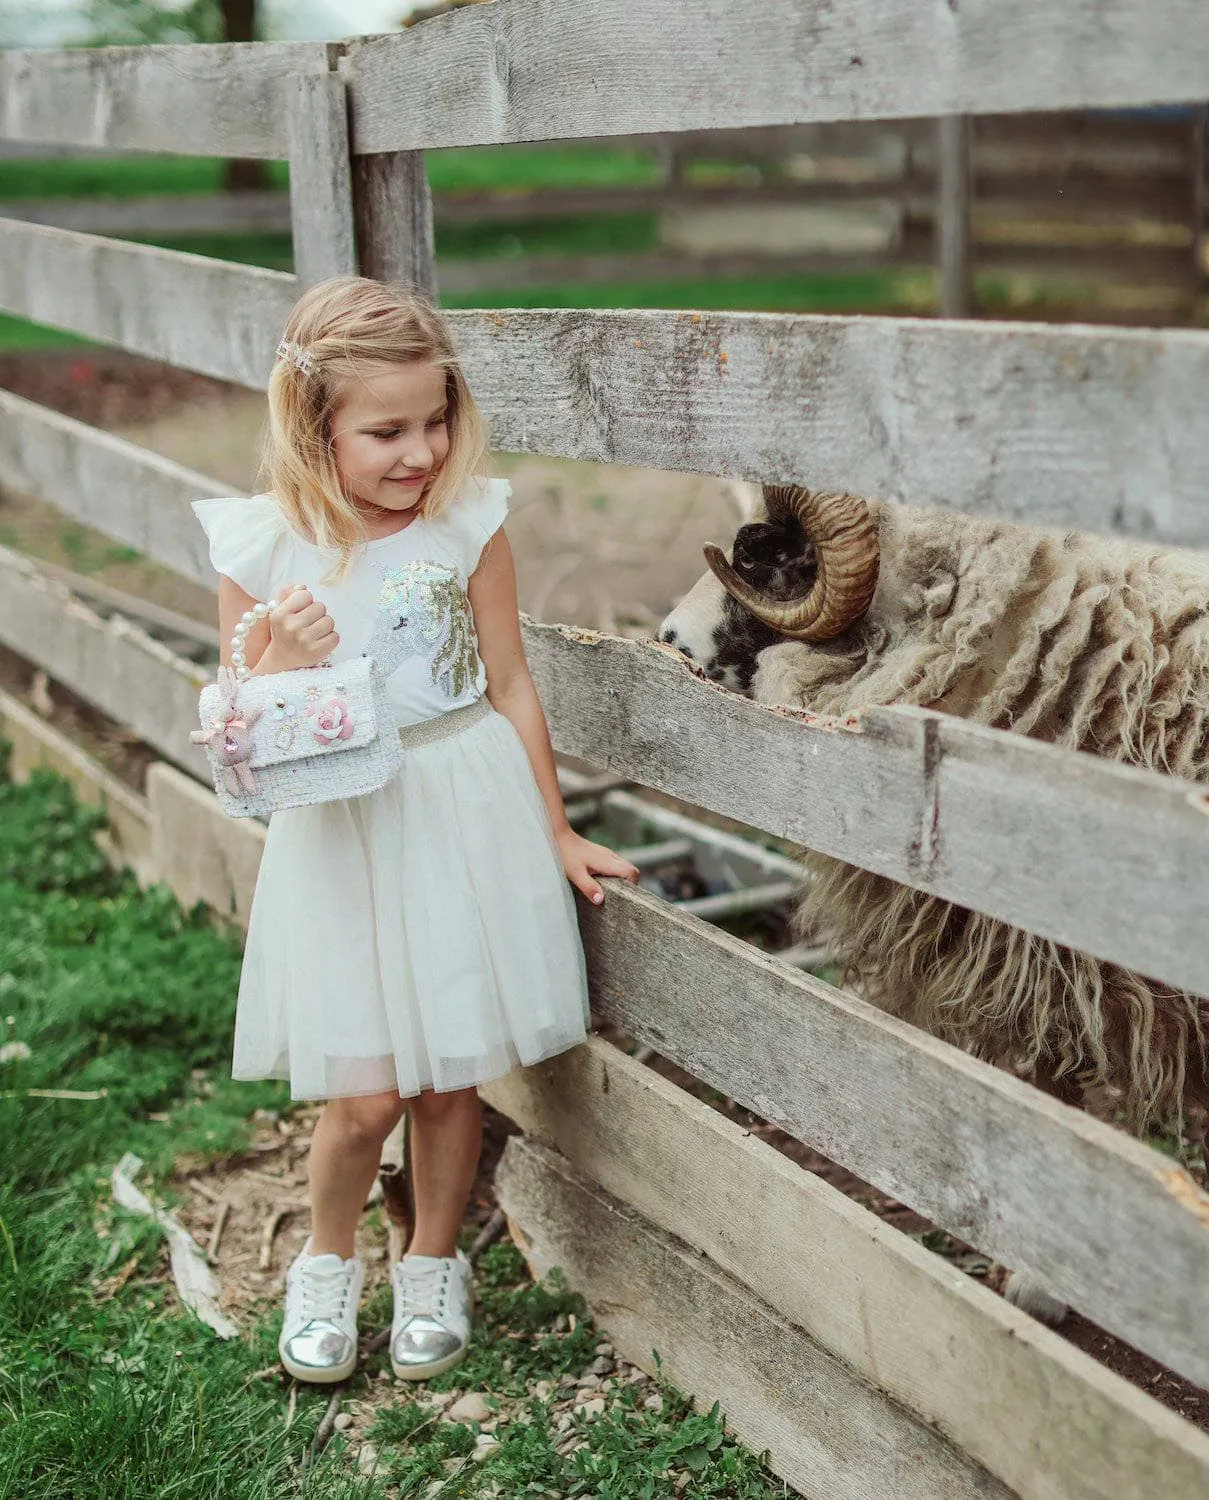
<point>478,515</point>
<point>247,538</point>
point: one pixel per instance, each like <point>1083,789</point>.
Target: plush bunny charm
<point>229,737</point>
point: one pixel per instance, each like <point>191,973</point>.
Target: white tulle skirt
<point>420,937</point>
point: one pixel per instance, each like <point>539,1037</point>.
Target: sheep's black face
<point>717,632</point>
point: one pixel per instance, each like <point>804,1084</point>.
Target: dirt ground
<point>605,547</point>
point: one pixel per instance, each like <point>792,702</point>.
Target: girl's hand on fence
<point>583,859</point>
<point>303,633</point>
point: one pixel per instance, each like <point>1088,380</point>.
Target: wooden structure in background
<point>1078,213</point>
<point>866,1366</point>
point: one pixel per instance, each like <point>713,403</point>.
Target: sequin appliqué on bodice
<point>423,611</point>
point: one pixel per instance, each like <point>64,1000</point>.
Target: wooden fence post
<point>321,201</point>
<point>953,185</point>
<point>1200,205</point>
<point>393,208</point>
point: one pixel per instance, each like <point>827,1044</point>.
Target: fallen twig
<point>266,1148</point>
<point>55,1094</point>
<point>112,1285</point>
<point>489,1233</point>
<point>279,1184</point>
<point>195,1282</point>
<point>378,1342</point>
<point>207,1192</point>
<point>220,1223</point>
<point>264,1261</point>
<point>432,1494</point>
<point>291,1406</point>
<point>326,1427</point>
<point>262,1374</point>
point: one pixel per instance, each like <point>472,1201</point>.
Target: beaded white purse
<point>287,739</point>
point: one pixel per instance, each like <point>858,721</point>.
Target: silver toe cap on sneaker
<point>318,1346</point>
<point>423,1341</point>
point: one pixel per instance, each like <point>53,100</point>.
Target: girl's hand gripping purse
<point>315,734</point>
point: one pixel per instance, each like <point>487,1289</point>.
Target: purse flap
<point>307,712</point>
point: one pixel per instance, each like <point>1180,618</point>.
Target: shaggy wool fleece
<point>1094,644</point>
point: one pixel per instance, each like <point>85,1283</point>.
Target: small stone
<point>603,1366</point>
<point>543,1390</point>
<point>563,1422</point>
<point>343,1422</point>
<point>682,1482</point>
<point>485,1445</point>
<point>367,1458</point>
<point>384,1375</point>
<point>471,1408</point>
<point>592,1408</point>
<point>654,1403</point>
<point>604,1348</point>
<point>561,1323</point>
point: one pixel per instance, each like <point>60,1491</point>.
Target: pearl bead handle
<point>250,617</point>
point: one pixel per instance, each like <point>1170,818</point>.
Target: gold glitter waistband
<point>443,726</point>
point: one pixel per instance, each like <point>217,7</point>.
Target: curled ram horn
<point>844,534</point>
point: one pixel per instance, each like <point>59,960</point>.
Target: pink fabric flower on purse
<point>332,721</point>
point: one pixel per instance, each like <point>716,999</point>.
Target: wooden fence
<point>864,1364</point>
<point>1084,210</point>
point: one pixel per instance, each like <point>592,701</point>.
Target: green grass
<point>114,1394</point>
<point>110,988</point>
<point>884,291</point>
<point>480,169</point>
<point>498,169</point>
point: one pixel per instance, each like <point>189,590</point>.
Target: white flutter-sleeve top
<point>403,599</point>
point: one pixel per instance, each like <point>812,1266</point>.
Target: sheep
<point>1094,644</point>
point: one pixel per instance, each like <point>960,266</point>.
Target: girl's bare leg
<point>446,1138</point>
<point>345,1152</point>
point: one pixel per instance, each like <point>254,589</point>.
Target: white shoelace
<point>423,1291</point>
<point>322,1295</point>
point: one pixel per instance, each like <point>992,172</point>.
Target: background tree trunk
<point>239,25</point>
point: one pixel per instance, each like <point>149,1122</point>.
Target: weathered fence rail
<point>1069,427</point>
<point>895,1374</point>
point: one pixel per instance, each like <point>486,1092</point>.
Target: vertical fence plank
<point>953,216</point>
<point>1200,205</point>
<point>394,219</point>
<point>321,198</point>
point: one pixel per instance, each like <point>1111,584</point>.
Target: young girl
<point>407,945</point>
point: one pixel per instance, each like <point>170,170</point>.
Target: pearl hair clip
<point>301,356</point>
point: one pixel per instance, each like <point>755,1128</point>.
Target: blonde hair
<point>344,325</point>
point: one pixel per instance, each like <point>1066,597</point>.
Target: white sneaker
<point>319,1335</point>
<point>431,1328</point>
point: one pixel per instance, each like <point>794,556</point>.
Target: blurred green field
<point>498,169</point>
